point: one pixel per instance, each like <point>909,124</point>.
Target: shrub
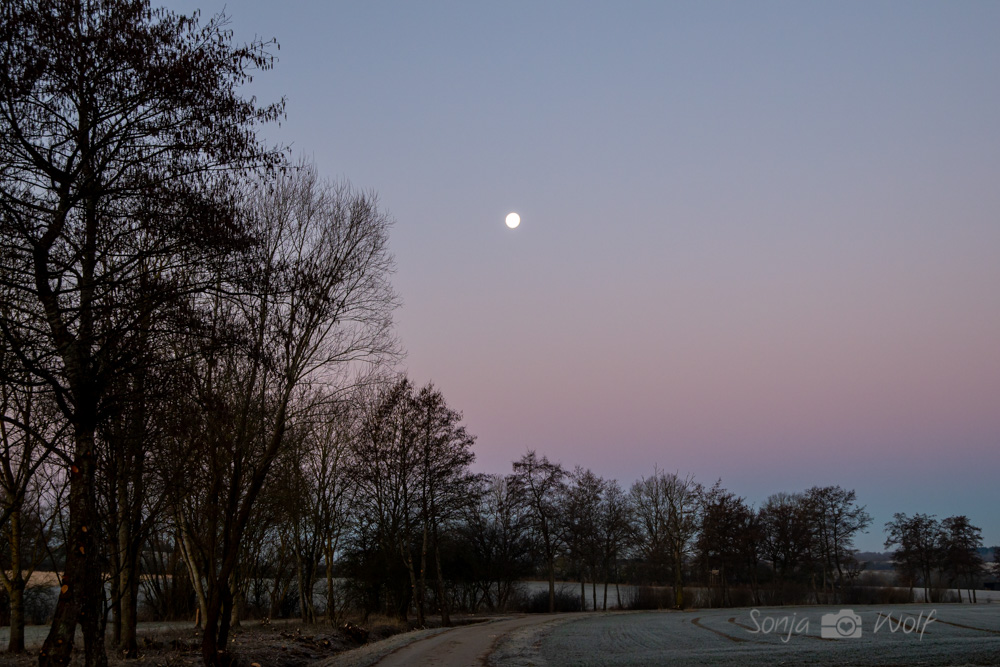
<point>875,595</point>
<point>648,597</point>
<point>39,604</point>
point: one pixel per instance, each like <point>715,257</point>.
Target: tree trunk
<point>724,584</point>
<point>552,585</point>
<point>215,639</point>
<point>331,602</point>
<point>618,591</point>
<point>15,586</point>
<point>306,595</point>
<point>193,568</point>
<point>131,492</point>
<point>678,579</point>
<point>300,579</point>
<point>441,591</point>
<point>114,559</point>
<point>16,596</point>
<point>422,582</point>
<point>127,583</point>
<point>82,592</point>
<point>209,651</point>
<point>236,598</point>
<point>408,560</point>
<point>129,589</point>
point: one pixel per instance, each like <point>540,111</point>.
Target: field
<point>909,634</point>
<point>957,635</point>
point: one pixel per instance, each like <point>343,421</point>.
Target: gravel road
<point>464,646</point>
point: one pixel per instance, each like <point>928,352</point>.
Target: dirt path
<point>466,646</point>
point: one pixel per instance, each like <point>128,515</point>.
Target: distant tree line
<point>199,412</point>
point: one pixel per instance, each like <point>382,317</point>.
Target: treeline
<point>371,506</point>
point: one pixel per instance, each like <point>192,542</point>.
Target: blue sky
<point>759,241</point>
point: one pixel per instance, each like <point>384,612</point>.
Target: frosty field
<point>890,635</point>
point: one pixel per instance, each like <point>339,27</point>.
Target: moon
<point>513,220</point>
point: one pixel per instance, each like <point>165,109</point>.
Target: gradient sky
<point>759,241</point>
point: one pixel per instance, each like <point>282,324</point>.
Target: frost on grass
<point>521,648</point>
<point>963,635</point>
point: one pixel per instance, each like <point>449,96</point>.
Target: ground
<point>910,634</point>
<point>278,644</point>
<point>885,635</point>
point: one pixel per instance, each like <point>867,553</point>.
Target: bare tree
<point>786,533</point>
<point>316,494</point>
<point>581,512</point>
<point>112,116</point>
<point>130,475</point>
<point>445,453</point>
<point>836,520</point>
<point>384,475</point>
<point>496,526</point>
<point>313,301</point>
<point>333,490</point>
<point>311,485</point>
<point>918,546</point>
<point>960,550</point>
<point>543,484</point>
<point>651,516</point>
<point>616,532</point>
<point>666,507</point>
<point>725,520</point>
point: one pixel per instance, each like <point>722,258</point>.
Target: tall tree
<point>616,532</point>
<point>497,527</point>
<point>445,453</point>
<point>726,526</point>
<point>542,485</point>
<point>666,508</point>
<point>316,492</point>
<point>313,302</point>
<point>836,519</point>
<point>960,550</point>
<point>112,118</point>
<point>581,512</point>
<point>648,500</point>
<point>918,546</point>
<point>130,477</point>
<point>384,475</point>
<point>786,535</point>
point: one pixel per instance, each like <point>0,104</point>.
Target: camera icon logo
<point>845,624</point>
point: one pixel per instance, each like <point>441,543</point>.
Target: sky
<point>760,242</point>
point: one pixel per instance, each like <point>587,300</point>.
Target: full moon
<point>513,220</point>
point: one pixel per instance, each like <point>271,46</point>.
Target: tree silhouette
<point>115,121</point>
